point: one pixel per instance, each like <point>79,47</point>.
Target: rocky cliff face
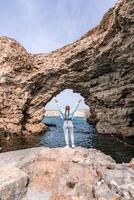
<point>99,66</point>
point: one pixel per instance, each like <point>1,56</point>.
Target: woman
<point>67,115</point>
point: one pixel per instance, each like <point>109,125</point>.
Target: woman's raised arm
<point>60,107</point>
<point>75,107</point>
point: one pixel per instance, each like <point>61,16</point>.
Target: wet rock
<point>131,164</point>
<point>50,125</point>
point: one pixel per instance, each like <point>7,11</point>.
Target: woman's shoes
<point>66,147</point>
<point>73,146</point>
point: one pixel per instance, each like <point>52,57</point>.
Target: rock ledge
<point>62,174</point>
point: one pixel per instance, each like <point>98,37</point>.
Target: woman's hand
<point>56,100</point>
<point>79,101</point>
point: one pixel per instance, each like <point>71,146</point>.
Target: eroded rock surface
<point>68,174</point>
<point>13,183</point>
<point>99,66</point>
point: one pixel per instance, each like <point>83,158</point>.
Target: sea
<point>85,135</point>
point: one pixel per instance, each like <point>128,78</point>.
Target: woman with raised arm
<point>67,114</point>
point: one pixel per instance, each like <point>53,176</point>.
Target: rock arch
<point>99,66</point>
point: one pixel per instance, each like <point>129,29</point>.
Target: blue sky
<point>67,97</point>
<point>45,25</point>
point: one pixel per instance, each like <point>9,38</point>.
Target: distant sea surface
<point>85,136</point>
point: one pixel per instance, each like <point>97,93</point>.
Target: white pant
<point>68,130</point>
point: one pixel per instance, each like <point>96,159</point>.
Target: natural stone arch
<point>99,66</point>
<point>66,97</point>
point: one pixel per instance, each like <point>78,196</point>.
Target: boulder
<point>36,128</point>
<point>64,174</point>
<point>13,183</point>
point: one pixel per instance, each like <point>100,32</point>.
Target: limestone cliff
<point>99,66</point>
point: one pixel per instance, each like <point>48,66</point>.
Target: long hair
<point>67,111</point>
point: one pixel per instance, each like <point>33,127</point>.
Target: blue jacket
<point>62,111</point>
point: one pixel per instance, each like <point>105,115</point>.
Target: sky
<point>44,25</point>
<point>67,97</point>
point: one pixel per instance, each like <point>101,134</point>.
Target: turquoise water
<point>85,136</point>
<point>54,137</point>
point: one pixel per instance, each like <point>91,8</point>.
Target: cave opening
<point>85,134</point>
<point>83,131</point>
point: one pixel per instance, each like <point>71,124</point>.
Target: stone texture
<point>99,66</point>
<point>67,174</point>
<point>35,128</point>
<point>131,164</point>
<point>13,183</point>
